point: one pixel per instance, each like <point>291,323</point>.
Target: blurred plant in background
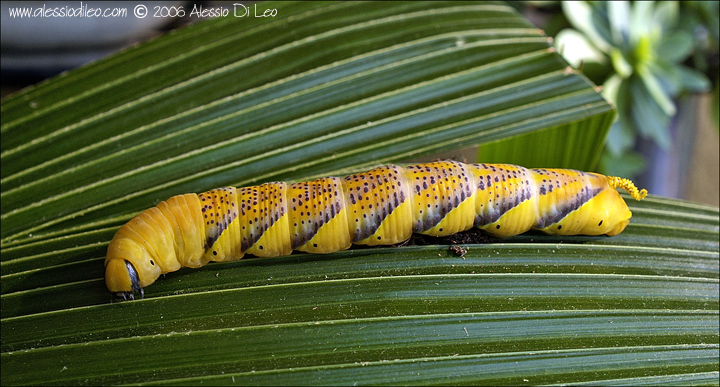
<point>647,56</point>
<point>637,52</point>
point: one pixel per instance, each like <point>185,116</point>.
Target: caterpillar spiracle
<point>381,207</point>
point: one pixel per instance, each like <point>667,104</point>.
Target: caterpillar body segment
<point>380,207</point>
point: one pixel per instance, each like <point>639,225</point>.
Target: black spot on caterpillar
<point>381,207</point>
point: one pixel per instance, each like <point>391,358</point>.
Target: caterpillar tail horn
<point>627,185</point>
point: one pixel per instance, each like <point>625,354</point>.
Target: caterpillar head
<point>122,279</point>
<point>132,260</point>
<point>129,266</point>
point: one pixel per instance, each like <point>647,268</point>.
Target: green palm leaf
<point>330,88</point>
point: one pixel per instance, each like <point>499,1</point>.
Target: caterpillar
<point>381,207</point>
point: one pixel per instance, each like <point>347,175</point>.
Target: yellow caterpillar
<point>380,207</point>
